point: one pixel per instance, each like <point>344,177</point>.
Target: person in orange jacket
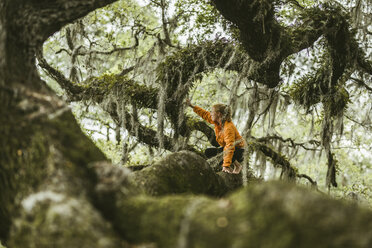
<point>227,136</point>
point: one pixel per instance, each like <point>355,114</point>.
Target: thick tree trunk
<point>38,133</point>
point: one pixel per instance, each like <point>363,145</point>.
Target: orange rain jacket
<point>228,137</point>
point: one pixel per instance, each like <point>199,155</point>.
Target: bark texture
<point>38,131</point>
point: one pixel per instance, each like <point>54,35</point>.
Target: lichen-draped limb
<point>269,43</point>
<point>340,60</point>
<point>184,66</point>
<point>72,90</point>
<point>94,89</point>
<point>278,160</point>
<point>144,134</point>
<point>108,88</point>
<point>263,215</point>
<point>180,70</point>
<point>99,89</point>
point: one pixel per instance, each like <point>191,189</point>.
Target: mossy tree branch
<point>174,174</point>
<point>269,43</point>
<point>180,70</point>
<point>243,219</point>
<point>144,134</point>
<point>72,90</point>
<point>183,68</point>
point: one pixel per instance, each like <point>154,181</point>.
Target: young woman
<point>231,142</point>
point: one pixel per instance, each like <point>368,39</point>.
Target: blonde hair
<point>224,110</point>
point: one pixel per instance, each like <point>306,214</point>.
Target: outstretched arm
<point>201,112</point>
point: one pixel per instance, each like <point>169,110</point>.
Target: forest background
<point>132,38</point>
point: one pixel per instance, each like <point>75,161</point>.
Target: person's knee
<point>209,152</point>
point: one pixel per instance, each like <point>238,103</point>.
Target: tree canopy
<point>303,62</point>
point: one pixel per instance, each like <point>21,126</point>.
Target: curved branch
<point>45,18</point>
<point>361,83</point>
<point>269,43</point>
<point>113,50</point>
<point>314,183</point>
<point>293,144</point>
<point>72,90</point>
<point>201,126</point>
<point>278,159</point>
<point>144,134</point>
<point>143,96</point>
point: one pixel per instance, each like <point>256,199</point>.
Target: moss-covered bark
<point>32,156</point>
<point>264,215</point>
<point>269,42</point>
<point>51,219</point>
<point>29,125</point>
<point>185,172</point>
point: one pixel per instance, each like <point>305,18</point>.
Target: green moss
<point>122,88</point>
<point>335,104</point>
<point>30,152</point>
<point>179,173</point>
<point>66,222</point>
<point>70,140</point>
<point>308,89</point>
<point>159,220</point>
<point>22,158</point>
<point>272,214</point>
<point>183,64</point>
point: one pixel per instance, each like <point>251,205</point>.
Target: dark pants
<point>213,151</point>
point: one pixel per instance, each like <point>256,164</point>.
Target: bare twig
<point>314,183</point>
<point>361,83</point>
<point>293,144</point>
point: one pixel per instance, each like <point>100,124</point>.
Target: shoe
<point>227,169</point>
<point>237,167</point>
